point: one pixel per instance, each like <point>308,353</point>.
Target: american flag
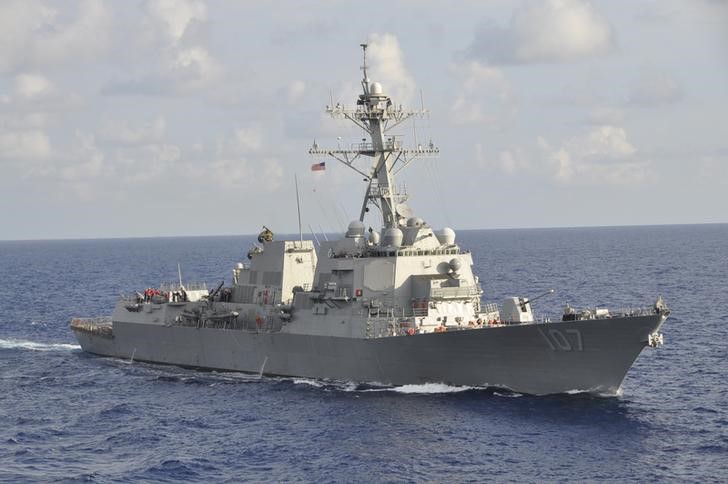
<point>318,166</point>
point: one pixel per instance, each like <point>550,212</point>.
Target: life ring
<point>411,331</point>
<point>258,320</point>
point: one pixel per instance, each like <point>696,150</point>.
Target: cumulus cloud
<point>601,155</point>
<point>656,90</point>
<point>485,95</point>
<point>512,161</point>
<point>31,86</point>
<point>174,19</point>
<point>243,141</point>
<point>545,31</point>
<point>22,145</point>
<point>386,66</point>
<point>138,152</point>
<point>36,34</point>
<point>33,93</point>
<point>174,28</point>
<point>147,162</point>
<point>239,162</point>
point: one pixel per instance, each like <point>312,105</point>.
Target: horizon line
<point>60,239</point>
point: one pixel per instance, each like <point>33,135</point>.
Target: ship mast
<point>377,116</point>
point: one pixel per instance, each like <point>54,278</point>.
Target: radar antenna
<point>365,80</point>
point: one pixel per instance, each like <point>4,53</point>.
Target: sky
<point>185,117</point>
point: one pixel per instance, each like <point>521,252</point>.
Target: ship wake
<point>11,344</point>
<point>411,389</point>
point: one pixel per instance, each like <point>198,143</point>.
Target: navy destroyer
<point>394,306</point>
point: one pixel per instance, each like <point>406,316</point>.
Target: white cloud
<point>33,93</point>
<point>546,31</point>
<point>32,86</point>
<point>173,29</point>
<point>295,90</point>
<point>87,161</point>
<point>238,162</point>
<point>601,155</point>
<point>194,67</point>
<point>260,174</point>
<point>21,145</point>
<point>656,90</point>
<point>175,18</point>
<point>244,141</point>
<point>386,66</point>
<point>146,163</point>
<point>511,161</point>
<point>34,34</point>
<point>485,95</point>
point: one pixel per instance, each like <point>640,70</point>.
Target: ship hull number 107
<point>566,340</point>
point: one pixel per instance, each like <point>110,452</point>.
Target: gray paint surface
<point>517,357</point>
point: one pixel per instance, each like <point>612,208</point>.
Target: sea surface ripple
<point>66,415</point>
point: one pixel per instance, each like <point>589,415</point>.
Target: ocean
<point>69,416</point>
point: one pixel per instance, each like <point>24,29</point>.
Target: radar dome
<point>376,89</point>
<point>446,236</point>
<point>356,229</point>
<point>393,237</point>
<point>415,222</point>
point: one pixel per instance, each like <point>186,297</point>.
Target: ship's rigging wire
<point>433,170</point>
<point>329,205</point>
<point>434,176</point>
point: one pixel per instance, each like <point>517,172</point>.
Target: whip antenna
<point>298,206</point>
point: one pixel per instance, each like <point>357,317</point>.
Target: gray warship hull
<point>538,358</point>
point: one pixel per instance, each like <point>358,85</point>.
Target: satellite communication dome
<point>374,237</point>
<point>393,237</point>
<point>455,264</point>
<point>356,229</point>
<point>415,222</point>
<point>376,89</point>
<point>446,236</point>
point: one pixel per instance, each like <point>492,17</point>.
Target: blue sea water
<point>66,415</point>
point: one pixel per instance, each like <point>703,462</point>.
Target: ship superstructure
<point>396,305</point>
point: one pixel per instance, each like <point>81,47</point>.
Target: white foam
<point>508,395</point>
<point>9,344</point>
<point>593,392</point>
<point>429,388</point>
<point>576,392</point>
<point>305,381</point>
